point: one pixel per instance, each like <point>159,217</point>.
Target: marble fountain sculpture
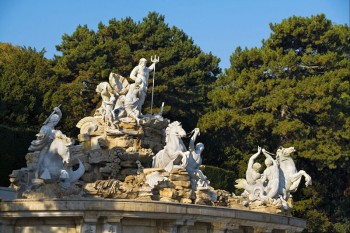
<point>132,172</point>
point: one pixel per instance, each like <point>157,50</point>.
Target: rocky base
<point>115,173</point>
<point>174,186</point>
<point>114,161</point>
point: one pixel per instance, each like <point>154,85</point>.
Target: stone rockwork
<point>145,138</point>
<point>173,186</point>
<point>103,153</point>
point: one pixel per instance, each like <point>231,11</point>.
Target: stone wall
<point>130,216</point>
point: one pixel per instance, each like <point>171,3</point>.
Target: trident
<point>154,60</point>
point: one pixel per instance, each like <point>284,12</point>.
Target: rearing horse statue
<point>174,149</point>
<point>289,176</point>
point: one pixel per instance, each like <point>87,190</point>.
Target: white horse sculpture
<point>174,149</point>
<point>289,176</point>
<point>52,157</point>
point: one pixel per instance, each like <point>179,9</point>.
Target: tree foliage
<point>293,91</point>
<point>183,75</point>
<point>25,78</point>
<point>220,178</point>
<point>14,143</point>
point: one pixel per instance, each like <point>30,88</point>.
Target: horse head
<point>60,145</point>
<point>175,128</point>
<point>285,152</point>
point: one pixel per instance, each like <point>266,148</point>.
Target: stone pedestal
<point>85,215</point>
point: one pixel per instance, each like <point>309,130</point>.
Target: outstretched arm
<point>151,67</point>
<point>268,156</point>
<point>253,157</point>
<point>193,139</point>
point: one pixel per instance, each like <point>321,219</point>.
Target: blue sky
<point>215,26</point>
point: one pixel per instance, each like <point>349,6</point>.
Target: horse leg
<point>308,180</point>
<point>179,158</point>
<point>184,159</point>
<point>154,160</point>
<point>157,159</point>
<point>296,178</point>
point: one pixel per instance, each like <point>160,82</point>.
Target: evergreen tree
<point>25,77</point>
<point>183,75</point>
<point>293,91</point>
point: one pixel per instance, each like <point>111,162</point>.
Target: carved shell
<point>87,125</point>
<point>118,83</point>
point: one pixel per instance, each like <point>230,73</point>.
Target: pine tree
<point>25,77</point>
<point>293,91</point>
<point>183,75</point>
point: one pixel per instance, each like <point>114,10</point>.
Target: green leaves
<point>25,75</point>
<point>293,91</point>
<point>183,75</point>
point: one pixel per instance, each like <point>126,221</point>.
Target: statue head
<point>268,162</point>
<point>61,144</point>
<point>176,129</point>
<point>104,88</point>
<point>143,62</point>
<point>256,167</point>
<point>285,152</point>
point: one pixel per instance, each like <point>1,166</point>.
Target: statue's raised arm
<point>252,173</point>
<point>193,139</point>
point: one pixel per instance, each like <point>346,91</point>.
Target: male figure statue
<point>108,101</point>
<point>194,157</point>
<point>142,71</point>
<point>198,179</point>
<point>132,99</point>
<point>252,173</point>
<point>270,175</point>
